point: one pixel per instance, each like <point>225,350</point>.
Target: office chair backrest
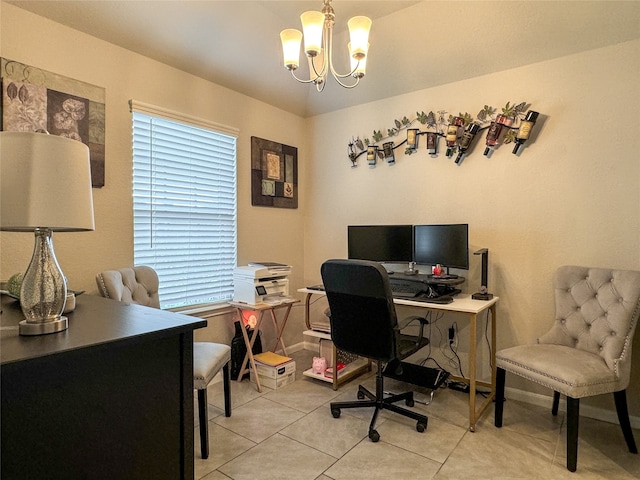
<point>363,315</point>
<point>597,310</point>
<point>135,285</point>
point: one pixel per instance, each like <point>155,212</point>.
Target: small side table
<point>249,362</point>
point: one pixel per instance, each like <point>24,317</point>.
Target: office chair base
<point>381,403</point>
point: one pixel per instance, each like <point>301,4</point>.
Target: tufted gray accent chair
<point>140,285</point>
<point>587,352</point>
<point>134,285</point>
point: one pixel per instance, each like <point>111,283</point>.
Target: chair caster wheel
<point>335,412</point>
<point>360,395</point>
<point>421,427</point>
<point>374,436</point>
<point>409,402</point>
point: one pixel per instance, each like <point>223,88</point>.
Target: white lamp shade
<point>45,181</point>
<point>291,39</point>
<point>312,26</point>
<point>359,34</point>
<point>358,67</point>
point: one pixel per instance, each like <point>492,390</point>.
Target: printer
<point>258,282</point>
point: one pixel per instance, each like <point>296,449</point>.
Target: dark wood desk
<point>109,398</point>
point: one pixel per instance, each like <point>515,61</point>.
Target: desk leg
<point>492,395</point>
<point>472,373</point>
<point>474,414</point>
<point>280,330</point>
<point>249,355</point>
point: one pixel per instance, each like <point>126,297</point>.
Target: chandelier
<point>318,46</point>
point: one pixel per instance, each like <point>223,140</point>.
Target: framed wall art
<point>274,174</point>
<point>34,99</point>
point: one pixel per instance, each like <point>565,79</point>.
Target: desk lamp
<point>45,187</point>
<point>483,294</point>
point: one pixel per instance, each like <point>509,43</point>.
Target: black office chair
<point>363,322</point>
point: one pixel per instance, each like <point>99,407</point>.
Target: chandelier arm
<point>345,85</point>
<point>329,52</point>
<point>301,80</point>
<point>322,74</point>
<point>350,74</point>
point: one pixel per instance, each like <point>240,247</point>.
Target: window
<point>184,205</point>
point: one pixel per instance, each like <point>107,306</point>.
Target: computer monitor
<point>447,245</point>
<point>380,243</point>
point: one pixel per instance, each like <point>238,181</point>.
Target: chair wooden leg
<point>499,407</point>
<point>556,403</point>
<point>204,422</point>
<point>623,417</point>
<point>573,415</point>
<point>226,374</point>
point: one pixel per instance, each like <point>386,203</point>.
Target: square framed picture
<point>37,100</point>
<point>274,174</point>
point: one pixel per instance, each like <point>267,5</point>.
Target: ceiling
<point>414,44</point>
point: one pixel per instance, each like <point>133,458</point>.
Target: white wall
<point>571,197</point>
<point>36,41</point>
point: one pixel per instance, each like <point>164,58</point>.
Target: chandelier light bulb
<point>358,66</point>
<point>291,40</point>
<point>312,26</point>
<point>359,28</point>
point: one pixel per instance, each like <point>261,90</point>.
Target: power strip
<point>459,386</point>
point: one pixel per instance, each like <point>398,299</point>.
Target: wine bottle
<point>525,129</point>
<point>387,148</point>
<point>493,135</point>
<point>453,133</point>
<point>465,141</point>
<point>372,153</point>
<point>412,138</point>
<point>432,143</point>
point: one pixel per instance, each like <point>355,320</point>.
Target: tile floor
<point>289,433</point>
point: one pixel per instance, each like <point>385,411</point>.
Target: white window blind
<point>184,205</point>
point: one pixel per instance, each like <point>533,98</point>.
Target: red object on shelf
<point>329,371</point>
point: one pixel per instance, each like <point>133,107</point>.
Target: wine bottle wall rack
<point>513,124</point>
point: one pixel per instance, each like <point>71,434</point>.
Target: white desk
<point>462,303</point>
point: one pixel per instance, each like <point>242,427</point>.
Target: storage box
<point>273,378</point>
<point>277,371</point>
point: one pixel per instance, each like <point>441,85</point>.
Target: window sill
<point>205,311</point>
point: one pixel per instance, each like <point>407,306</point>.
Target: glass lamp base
<point>42,328</point>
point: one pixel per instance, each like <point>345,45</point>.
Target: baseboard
<point>310,345</point>
<point>585,410</point>
<point>296,347</point>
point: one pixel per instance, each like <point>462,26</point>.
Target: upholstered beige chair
<point>140,285</point>
<point>587,352</point>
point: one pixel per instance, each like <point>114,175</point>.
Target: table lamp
<point>45,187</point>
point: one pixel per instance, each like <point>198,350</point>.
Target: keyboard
<point>406,289</point>
<point>442,299</point>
